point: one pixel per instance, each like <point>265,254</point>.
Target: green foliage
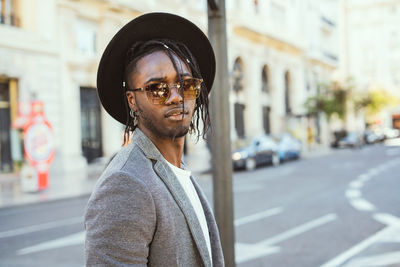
<point>334,98</point>
<point>374,101</point>
<point>331,99</point>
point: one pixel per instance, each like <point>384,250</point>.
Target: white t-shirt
<point>186,182</point>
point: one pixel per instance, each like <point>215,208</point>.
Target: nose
<point>175,96</point>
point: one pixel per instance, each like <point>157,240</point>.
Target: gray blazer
<point>139,215</point>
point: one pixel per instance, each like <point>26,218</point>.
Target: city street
<point>338,209</point>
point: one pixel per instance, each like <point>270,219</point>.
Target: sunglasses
<point>159,93</point>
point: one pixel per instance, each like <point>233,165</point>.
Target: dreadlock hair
<point>140,49</point>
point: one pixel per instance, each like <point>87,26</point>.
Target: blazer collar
<point>170,180</point>
<point>145,144</point>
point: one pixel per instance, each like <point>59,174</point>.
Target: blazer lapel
<point>176,190</point>
<point>216,248</point>
<point>186,207</point>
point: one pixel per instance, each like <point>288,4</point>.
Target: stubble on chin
<point>172,133</point>
<point>178,132</point>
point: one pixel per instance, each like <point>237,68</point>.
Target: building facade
<point>278,51</point>
<point>370,50</point>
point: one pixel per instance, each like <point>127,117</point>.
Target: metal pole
<point>220,134</point>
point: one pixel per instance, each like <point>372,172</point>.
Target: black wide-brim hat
<point>110,74</point>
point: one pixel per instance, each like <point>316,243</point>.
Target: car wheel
<point>250,164</point>
<point>275,160</point>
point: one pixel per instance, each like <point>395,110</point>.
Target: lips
<point>176,112</point>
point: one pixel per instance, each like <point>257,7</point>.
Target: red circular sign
<point>39,142</point>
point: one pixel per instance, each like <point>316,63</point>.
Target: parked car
<point>259,151</point>
<point>288,147</point>
<point>337,136</point>
<point>370,137</point>
<point>390,133</point>
<point>352,139</point>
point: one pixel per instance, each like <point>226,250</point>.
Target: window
<point>278,12</point>
<point>256,6</point>
<point>86,37</point>
<point>239,120</point>
<point>10,147</point>
<point>265,80</point>
<point>288,108</point>
<point>8,14</point>
<point>266,119</point>
<point>91,138</point>
<point>237,75</point>
<point>266,109</point>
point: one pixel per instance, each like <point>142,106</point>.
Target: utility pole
<point>220,134</point>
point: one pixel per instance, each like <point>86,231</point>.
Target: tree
<point>336,98</point>
<point>374,101</point>
<point>331,99</point>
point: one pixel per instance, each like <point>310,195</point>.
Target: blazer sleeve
<point>120,221</point>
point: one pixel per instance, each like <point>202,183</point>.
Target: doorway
<point>5,126</point>
<point>90,124</point>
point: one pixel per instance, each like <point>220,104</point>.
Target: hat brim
<point>143,28</point>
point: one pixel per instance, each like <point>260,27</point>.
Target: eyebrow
<point>157,79</point>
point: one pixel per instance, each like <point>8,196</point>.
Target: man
<point>146,209</point>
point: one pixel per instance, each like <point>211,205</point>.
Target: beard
<point>160,131</point>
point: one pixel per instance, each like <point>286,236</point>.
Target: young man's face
<point>160,120</point>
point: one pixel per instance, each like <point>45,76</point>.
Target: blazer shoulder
<point>123,158</point>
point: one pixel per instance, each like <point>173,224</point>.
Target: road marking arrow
<point>246,252</point>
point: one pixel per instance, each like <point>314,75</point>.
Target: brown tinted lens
<point>157,93</point>
<point>191,88</point>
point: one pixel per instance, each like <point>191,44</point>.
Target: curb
<point>41,202</point>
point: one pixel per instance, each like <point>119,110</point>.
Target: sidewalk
<point>317,152</point>
<point>65,186</point>
<point>60,187</point>
<point>81,184</point>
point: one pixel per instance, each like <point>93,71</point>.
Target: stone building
<point>370,50</point>
<point>278,52</point>
<point>50,49</point>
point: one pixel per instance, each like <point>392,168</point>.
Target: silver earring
<point>133,114</point>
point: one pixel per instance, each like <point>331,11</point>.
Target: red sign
<point>38,139</point>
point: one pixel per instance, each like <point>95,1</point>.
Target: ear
<point>130,96</point>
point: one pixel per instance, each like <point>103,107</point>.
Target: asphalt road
<point>341,209</point>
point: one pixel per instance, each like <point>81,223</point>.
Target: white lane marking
<point>246,252</point>
<point>257,216</point>
<point>362,204</point>
<point>389,234</point>
<point>353,193</point>
<point>364,178</point>
<point>341,258</point>
<point>299,229</point>
<point>70,240</point>
<point>387,219</point>
<point>373,171</point>
<point>393,222</point>
<point>385,259</point>
<point>41,227</point>
<point>382,168</point>
<point>356,184</point>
